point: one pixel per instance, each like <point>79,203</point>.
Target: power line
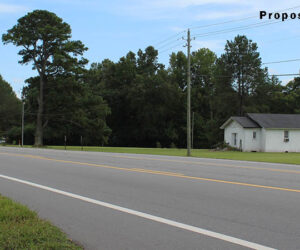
<point>250,26</point>
<point>170,37</point>
<point>221,76</point>
<point>286,75</point>
<point>165,50</point>
<point>239,20</point>
<point>203,26</point>
<point>168,44</point>
<point>240,28</point>
<point>255,25</point>
<point>219,23</point>
<point>292,60</point>
<point>278,40</point>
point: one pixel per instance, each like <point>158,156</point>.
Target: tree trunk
<point>38,138</point>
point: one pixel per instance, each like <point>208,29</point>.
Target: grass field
<point>289,158</point>
<point>21,228</point>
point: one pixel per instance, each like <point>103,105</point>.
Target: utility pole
<point>193,121</point>
<point>188,45</point>
<point>23,104</point>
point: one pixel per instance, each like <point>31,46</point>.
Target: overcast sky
<point>112,28</point>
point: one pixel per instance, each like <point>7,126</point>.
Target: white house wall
<point>274,141</point>
<point>234,127</point>
<point>263,140</point>
<point>251,144</point>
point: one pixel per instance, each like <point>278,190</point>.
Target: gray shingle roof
<point>276,120</point>
<point>245,122</point>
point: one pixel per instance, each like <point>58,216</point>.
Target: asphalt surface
<point>255,202</point>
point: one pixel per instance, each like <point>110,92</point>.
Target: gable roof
<point>245,122</point>
<point>255,120</point>
<point>276,120</point>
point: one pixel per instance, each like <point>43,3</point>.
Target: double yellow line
<point>148,171</point>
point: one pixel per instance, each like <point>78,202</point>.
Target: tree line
<point>136,101</point>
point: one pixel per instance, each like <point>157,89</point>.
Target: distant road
<point>126,201</point>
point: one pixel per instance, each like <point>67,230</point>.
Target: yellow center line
<point>209,164</point>
<point>140,170</point>
<point>155,171</point>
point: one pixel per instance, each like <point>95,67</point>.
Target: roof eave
<point>226,123</point>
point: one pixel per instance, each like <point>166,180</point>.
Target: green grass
<point>21,228</point>
<point>288,158</point>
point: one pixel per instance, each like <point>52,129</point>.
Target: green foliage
<point>243,65</point>
<point>45,41</point>
<point>20,228</point>
<point>143,100</point>
<point>10,109</point>
<point>71,109</point>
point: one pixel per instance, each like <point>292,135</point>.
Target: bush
<point>224,147</point>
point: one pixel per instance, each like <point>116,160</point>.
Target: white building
<point>263,132</point>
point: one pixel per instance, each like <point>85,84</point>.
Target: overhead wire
<point>255,25</point>
<point>219,23</point>
<point>227,76</point>
<point>170,37</point>
<point>238,20</point>
<point>239,28</point>
<point>163,51</point>
<point>168,44</point>
<point>279,40</point>
<point>284,61</point>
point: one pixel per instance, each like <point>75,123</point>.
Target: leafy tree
<point>146,106</point>
<point>292,92</point>
<point>70,108</point>
<point>10,111</point>
<point>243,66</point>
<point>203,67</point>
<point>203,70</point>
<point>178,68</point>
<point>45,41</point>
<point>268,97</point>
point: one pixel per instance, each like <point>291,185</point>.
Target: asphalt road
<point>125,201</point>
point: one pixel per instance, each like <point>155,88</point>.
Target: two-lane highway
<point>126,201</point>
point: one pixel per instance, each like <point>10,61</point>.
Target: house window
<point>286,136</point>
<point>254,134</point>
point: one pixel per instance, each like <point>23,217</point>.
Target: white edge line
<point>145,215</point>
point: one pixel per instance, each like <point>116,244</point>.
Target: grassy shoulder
<point>287,158</point>
<point>21,228</point>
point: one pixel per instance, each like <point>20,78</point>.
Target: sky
<point>110,29</point>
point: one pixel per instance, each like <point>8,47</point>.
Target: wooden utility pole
<point>193,122</point>
<point>23,123</point>
<point>188,93</point>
